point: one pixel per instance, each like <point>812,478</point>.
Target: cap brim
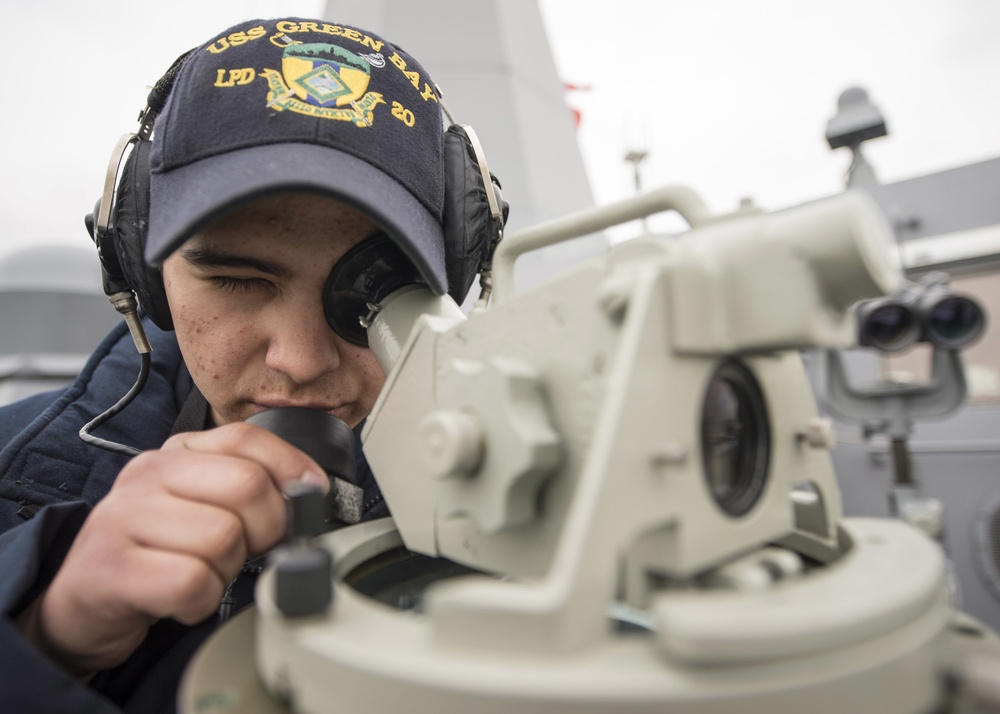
<point>184,200</point>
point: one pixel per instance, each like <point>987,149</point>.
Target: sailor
<point>282,148</point>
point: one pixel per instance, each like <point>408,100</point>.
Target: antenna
<point>636,157</point>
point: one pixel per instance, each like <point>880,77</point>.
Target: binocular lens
<point>890,328</point>
<point>955,322</point>
<point>735,439</point>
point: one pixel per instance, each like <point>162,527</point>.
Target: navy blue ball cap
<point>274,106</point>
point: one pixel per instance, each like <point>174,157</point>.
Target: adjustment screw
<point>818,433</point>
<point>453,443</point>
<point>303,580</point>
<point>303,572</point>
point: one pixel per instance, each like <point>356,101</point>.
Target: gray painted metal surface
<point>944,202</point>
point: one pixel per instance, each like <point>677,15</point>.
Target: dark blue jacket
<point>49,479</point>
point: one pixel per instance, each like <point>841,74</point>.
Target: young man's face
<point>245,295</point>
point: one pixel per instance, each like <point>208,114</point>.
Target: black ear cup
<point>470,230</point>
<point>120,230</point>
<point>130,222</point>
<point>120,244</point>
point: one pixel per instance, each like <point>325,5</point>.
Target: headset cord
<point>85,434</point>
<point>124,302</point>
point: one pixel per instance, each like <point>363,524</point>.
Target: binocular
<point>925,312</point>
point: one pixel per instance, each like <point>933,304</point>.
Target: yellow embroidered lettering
<point>236,76</point>
<point>398,61</point>
<point>236,39</point>
<point>218,46</point>
<point>289,27</point>
<point>428,93</point>
<point>414,79</point>
<point>374,44</point>
<point>403,114</point>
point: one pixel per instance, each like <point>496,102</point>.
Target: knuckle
<point>266,534</point>
<point>227,536</point>
<point>194,584</point>
<point>249,481</point>
<point>136,472</point>
<point>238,432</point>
<point>113,514</point>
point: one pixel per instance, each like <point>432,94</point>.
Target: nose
<point>301,344</point>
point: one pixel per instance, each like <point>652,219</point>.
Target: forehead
<point>300,228</point>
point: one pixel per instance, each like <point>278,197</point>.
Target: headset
<point>474,217</point>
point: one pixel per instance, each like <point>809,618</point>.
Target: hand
<point>173,531</point>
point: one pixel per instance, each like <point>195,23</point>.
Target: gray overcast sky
<point>728,96</point>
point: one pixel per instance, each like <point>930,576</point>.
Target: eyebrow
<point>204,257</point>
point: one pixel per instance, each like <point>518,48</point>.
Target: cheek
<point>214,345</point>
<point>214,342</point>
<point>371,375</point>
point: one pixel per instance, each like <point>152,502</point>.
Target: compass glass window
<point>735,438</point>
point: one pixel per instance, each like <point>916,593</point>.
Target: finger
<point>97,610</point>
<point>211,533</point>
<point>169,584</point>
<point>237,484</point>
<point>283,461</point>
<point>117,581</point>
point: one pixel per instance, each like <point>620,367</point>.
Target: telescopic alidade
<point>613,492</point>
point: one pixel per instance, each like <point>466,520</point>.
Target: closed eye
<point>232,284</point>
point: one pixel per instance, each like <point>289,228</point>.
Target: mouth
<point>338,410</point>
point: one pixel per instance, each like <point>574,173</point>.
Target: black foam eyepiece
<point>366,274</point>
<point>327,439</point>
